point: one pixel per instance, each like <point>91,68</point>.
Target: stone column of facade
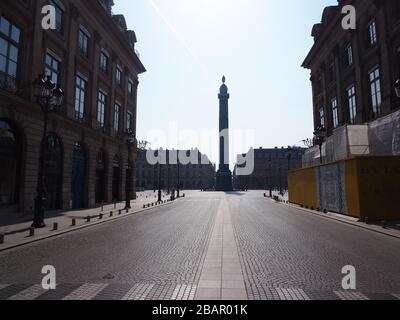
<point>69,95</point>
<point>339,88</point>
<point>385,70</point>
<point>93,147</point>
<point>32,126</point>
<point>95,74</point>
<point>361,112</point>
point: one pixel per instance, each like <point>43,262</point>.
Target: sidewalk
<point>16,227</point>
<point>391,228</point>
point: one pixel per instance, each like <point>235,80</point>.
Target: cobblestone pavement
<point>294,253</point>
<point>173,252</point>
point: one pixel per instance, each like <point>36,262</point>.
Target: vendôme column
<point>224,175</point>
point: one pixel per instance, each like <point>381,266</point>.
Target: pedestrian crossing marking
<point>30,293</point>
<point>350,295</point>
<point>86,292</point>
<point>138,292</point>
<point>292,294</point>
<point>184,292</point>
<point>143,291</point>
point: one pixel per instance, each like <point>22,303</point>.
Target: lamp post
<point>270,177</point>
<point>159,182</point>
<point>168,178</point>
<point>154,178</point>
<point>130,141</point>
<point>179,181</point>
<point>319,139</point>
<point>49,98</point>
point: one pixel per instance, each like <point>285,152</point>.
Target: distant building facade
<point>271,168</point>
<point>353,75</point>
<point>192,176</point>
<point>91,56</point>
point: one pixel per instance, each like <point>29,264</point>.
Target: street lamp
<point>130,141</point>
<point>159,182</point>
<point>319,139</point>
<point>49,98</point>
<point>270,176</point>
<point>179,181</point>
<point>168,177</point>
<point>154,178</point>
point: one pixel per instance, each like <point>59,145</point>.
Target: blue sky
<point>259,45</point>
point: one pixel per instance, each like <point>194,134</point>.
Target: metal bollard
<point>31,232</point>
<point>100,216</point>
<point>119,212</point>
<point>88,219</point>
<point>111,214</point>
<point>73,223</point>
<point>2,236</point>
<point>55,226</point>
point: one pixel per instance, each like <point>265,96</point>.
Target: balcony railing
<point>8,83</point>
<point>80,117</point>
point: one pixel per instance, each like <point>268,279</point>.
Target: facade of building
<point>192,176</point>
<point>353,75</point>
<point>91,56</point>
<point>271,168</point>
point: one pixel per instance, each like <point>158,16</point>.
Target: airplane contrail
<point>181,39</point>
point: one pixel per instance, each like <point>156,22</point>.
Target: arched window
<point>10,163</point>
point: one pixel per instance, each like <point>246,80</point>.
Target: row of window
<point>84,48</point>
<point>372,37</point>
<point>10,43</point>
<point>376,98</point>
<point>80,103</point>
<point>10,38</point>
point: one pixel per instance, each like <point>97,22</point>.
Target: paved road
<point>208,246</point>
